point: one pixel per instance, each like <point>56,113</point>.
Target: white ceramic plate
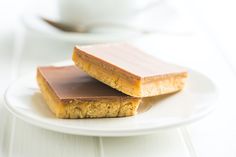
<point>24,100</point>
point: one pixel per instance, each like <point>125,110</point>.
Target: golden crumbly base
<point>164,85</point>
<point>117,107</point>
<point>126,84</point>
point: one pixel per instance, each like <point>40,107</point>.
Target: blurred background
<point>217,17</point>
<point>199,34</point>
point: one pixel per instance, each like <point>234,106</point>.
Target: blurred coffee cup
<point>87,12</point>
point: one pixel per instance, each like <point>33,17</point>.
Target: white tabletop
<point>202,49</point>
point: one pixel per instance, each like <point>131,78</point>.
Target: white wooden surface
<point>213,136</point>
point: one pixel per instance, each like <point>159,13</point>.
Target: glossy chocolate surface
<point>129,59</point>
<point>69,82</point>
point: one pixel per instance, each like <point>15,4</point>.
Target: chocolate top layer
<point>130,59</point>
<point>69,82</point>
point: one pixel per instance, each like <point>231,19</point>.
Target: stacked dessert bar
<point>107,80</point>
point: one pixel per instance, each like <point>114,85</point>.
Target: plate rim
<point>110,133</point>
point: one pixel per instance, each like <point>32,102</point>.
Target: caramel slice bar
<point>70,93</point>
<point>129,70</point>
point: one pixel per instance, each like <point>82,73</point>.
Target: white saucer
<point>24,100</point>
<point>36,25</point>
<point>161,19</point>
